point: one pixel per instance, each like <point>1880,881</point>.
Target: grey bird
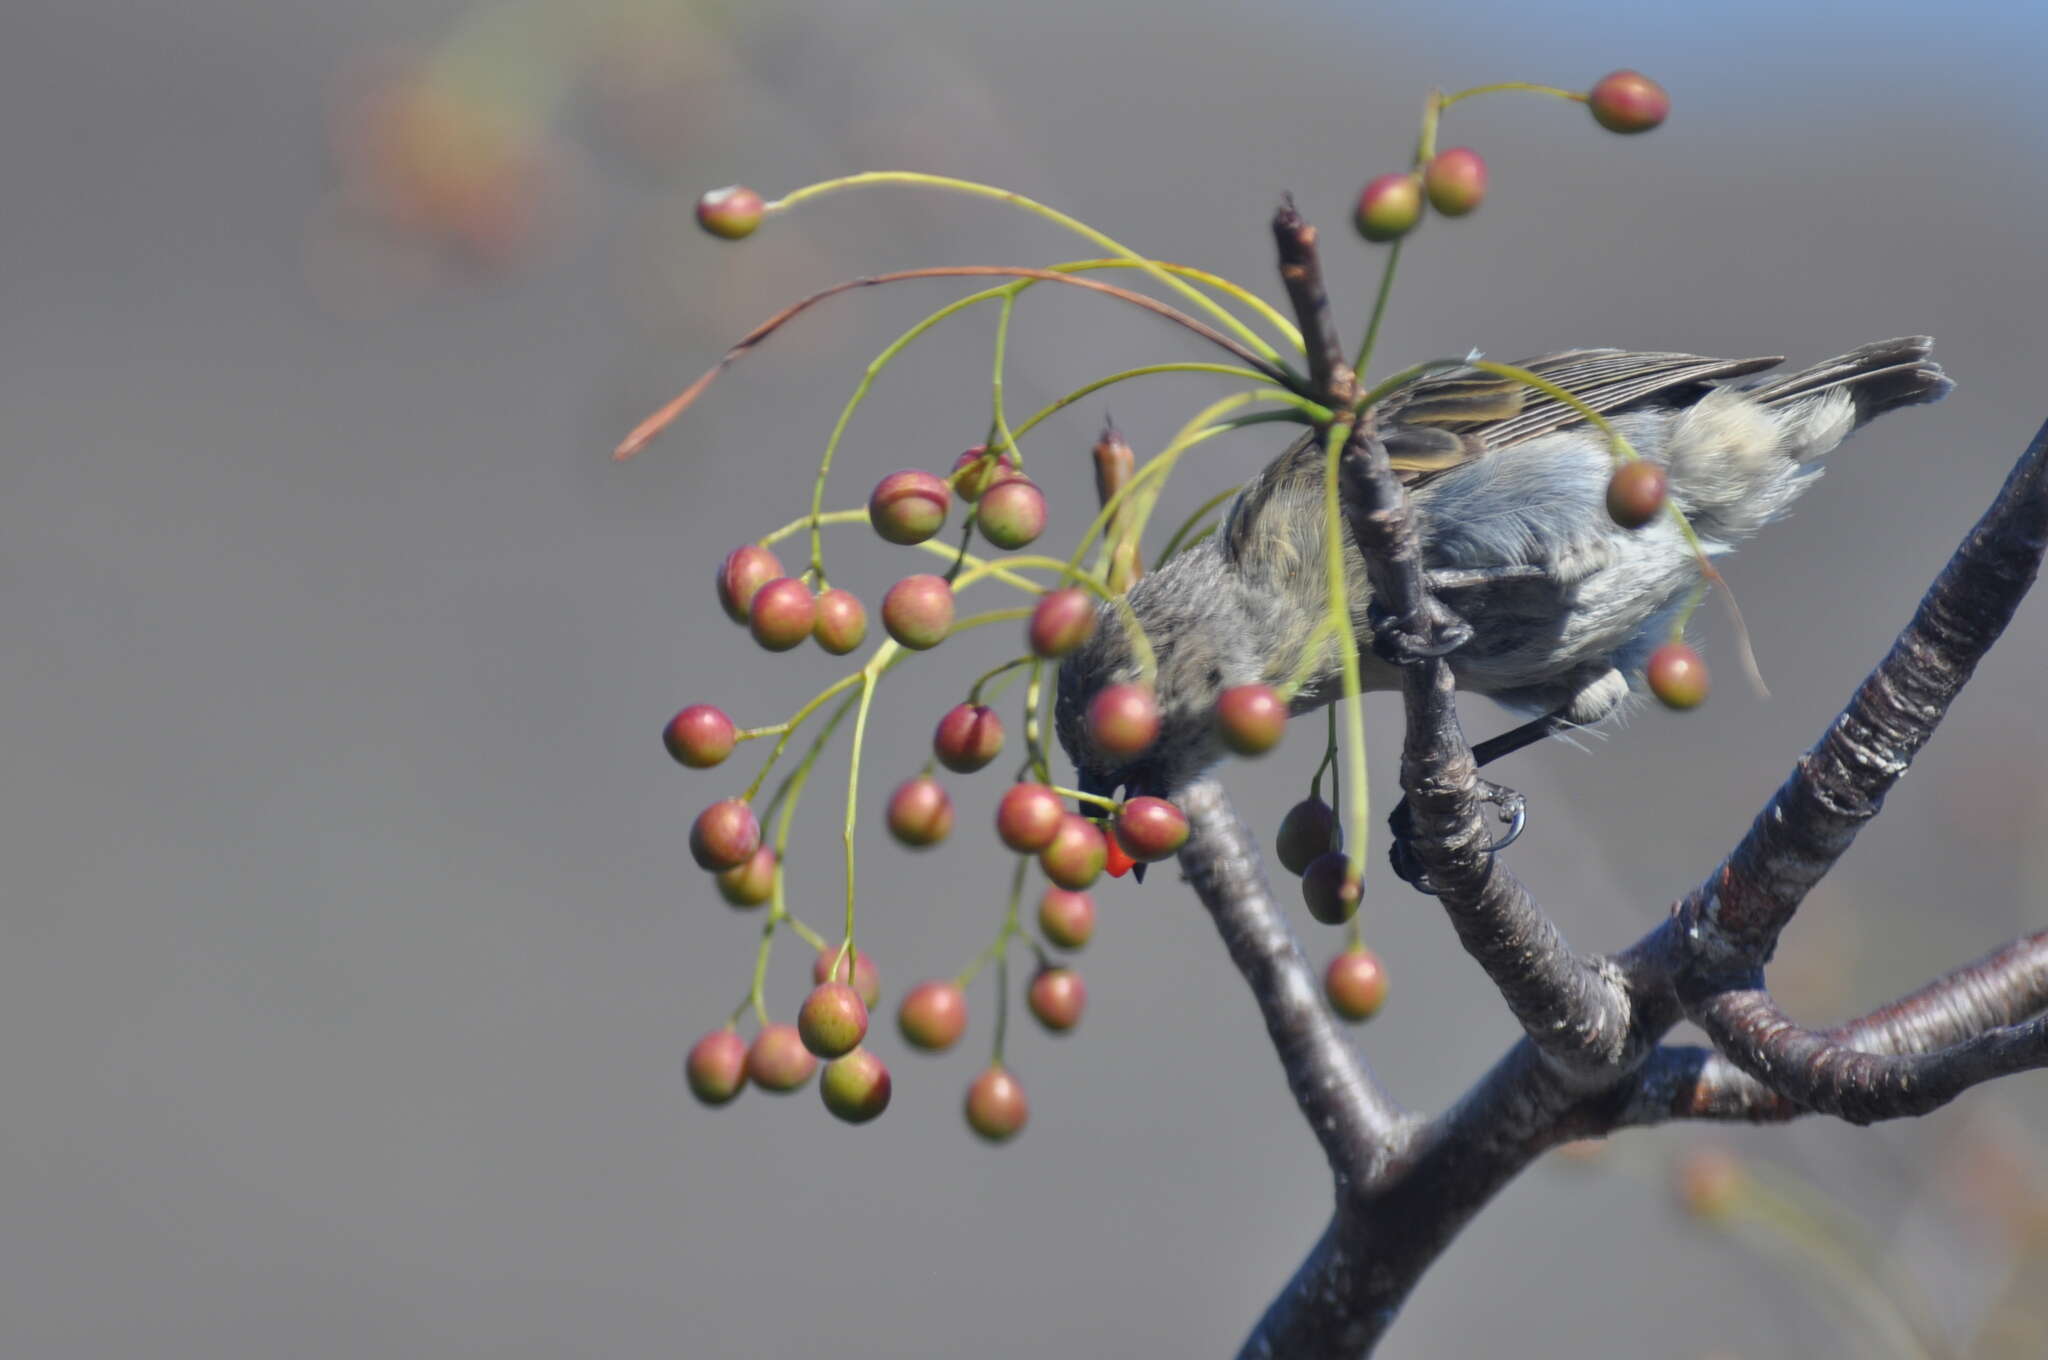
<point>1509,487</point>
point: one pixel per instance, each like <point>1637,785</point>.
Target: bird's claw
<point>1433,632</point>
<point>1509,806</point>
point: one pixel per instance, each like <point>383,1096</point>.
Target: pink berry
<point>920,812</point>
<point>974,472</point>
<point>1677,676</point>
<point>700,736</point>
<point>866,979</point>
<point>1455,181</point>
<point>1066,918</point>
<point>1028,817</point>
<point>743,572</point>
<point>1627,101</point>
<point>782,613</point>
<point>778,1061</point>
<point>1063,620</point>
<point>1251,718</point>
<point>1389,207</point>
<point>717,1067</point>
<point>1309,830</point>
<point>996,1108</point>
<point>909,506</point>
<point>1355,984</point>
<point>968,738</point>
<point>724,835</point>
<point>732,212</point>
<point>933,1015</point>
<point>1077,854</point>
<point>1124,719</point>
<point>1151,829</point>
<point>856,1087</point>
<point>842,622</point>
<point>1057,997</point>
<point>1635,493</point>
<point>751,883</point>
<point>1011,513</point>
<point>918,611</point>
<point>833,1020</point>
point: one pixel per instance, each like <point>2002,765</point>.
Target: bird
<point>1508,486</point>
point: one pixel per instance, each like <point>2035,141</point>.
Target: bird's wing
<point>1445,419</point>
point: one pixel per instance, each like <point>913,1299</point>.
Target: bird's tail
<point>1876,378</point>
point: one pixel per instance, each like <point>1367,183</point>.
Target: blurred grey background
<point>349,945</point>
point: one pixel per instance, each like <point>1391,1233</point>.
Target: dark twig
<point>1301,273</point>
<point>2003,988</point>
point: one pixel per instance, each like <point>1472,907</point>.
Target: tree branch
<point>1354,1119</point>
<point>1730,925</point>
<point>2001,989</point>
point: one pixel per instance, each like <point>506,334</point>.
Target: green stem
<point>974,690</point>
<point>1379,309</point>
<point>1223,314</point>
<point>1444,101</point>
<point>1004,441</point>
<point>789,730</point>
<point>1110,803</point>
<point>1146,371</point>
<point>1347,644</point>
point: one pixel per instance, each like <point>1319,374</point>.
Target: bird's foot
<point>1509,806</point>
<point>1431,632</point>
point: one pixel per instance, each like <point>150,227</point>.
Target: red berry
<point>1117,862</point>
<point>778,1061</point>
<point>842,622</point>
<point>724,835</point>
<point>1066,918</point>
<point>782,614</point>
<point>717,1067</point>
<point>918,611</point>
<point>1355,984</point>
<point>1627,101</point>
<point>1077,854</point>
<point>1635,493</point>
<point>1057,997</point>
<point>920,812</point>
<point>855,1087</point>
<point>731,212</point>
<point>1455,181</point>
<point>1332,888</point>
<point>866,979</point>
<point>1063,620</point>
<point>1389,207</point>
<point>1251,718</point>
<point>1677,676</point>
<point>833,1020</point>
<point>1028,817</point>
<point>968,737</point>
<point>933,1015</point>
<point>1151,829</point>
<point>700,736</point>
<point>1011,513</point>
<point>996,1108</point>
<point>974,472</point>
<point>743,572</point>
<point>909,506</point>
<point>1308,831</point>
<point>1124,719</point>
<point>751,883</point>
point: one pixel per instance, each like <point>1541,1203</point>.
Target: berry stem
<point>1002,440</point>
<point>1109,803</point>
<point>1146,371</point>
<point>1050,214</point>
<point>1444,101</point>
<point>1347,643</point>
<point>1015,662</point>
<point>789,729</point>
<point>1036,756</point>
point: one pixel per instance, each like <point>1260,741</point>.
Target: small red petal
<point>1118,863</point>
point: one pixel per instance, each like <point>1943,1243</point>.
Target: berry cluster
<point>1073,836</point>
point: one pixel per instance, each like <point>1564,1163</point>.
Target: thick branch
<point>1573,1008</point>
<point>1730,925</point>
<point>1356,1121</point>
